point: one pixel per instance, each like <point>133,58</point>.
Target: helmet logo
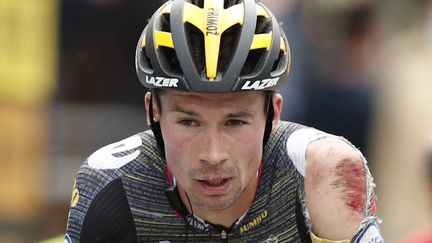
<point>212,21</point>
<point>260,84</point>
<point>162,82</point>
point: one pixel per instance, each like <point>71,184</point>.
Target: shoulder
<point>281,133</point>
<point>119,154</point>
<point>99,190</point>
<point>104,166</point>
<point>338,188</point>
<point>113,161</point>
<point>276,146</point>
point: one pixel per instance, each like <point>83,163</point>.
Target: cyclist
<point>218,165</point>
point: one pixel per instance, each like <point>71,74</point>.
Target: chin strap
<point>269,119</point>
<point>155,127</point>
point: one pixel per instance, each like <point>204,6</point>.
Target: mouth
<point>214,182</point>
<point>215,186</point>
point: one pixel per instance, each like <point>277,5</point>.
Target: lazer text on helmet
<point>260,84</point>
<point>162,82</point>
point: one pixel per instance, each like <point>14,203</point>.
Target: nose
<point>213,147</point>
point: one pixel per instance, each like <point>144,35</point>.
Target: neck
<point>228,216</point>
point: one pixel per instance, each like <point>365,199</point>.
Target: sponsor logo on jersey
<point>370,234</point>
<point>260,84</point>
<point>162,82</point>
<point>198,224</point>
<point>254,223</point>
<point>116,155</point>
<point>75,197</point>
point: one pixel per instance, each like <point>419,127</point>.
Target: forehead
<point>243,98</point>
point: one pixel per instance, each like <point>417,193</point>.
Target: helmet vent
<point>255,57</point>
<point>263,25</point>
<point>146,63</point>
<point>276,63</point>
<point>196,44</point>
<point>199,3</point>
<point>252,62</point>
<point>229,42</point>
<point>165,23</point>
<point>229,3</point>
<point>171,63</point>
<point>280,64</point>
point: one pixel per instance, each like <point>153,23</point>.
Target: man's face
<point>213,143</point>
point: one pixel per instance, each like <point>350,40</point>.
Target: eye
<point>188,123</point>
<point>234,122</point>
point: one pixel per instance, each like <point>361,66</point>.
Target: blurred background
<point>361,69</point>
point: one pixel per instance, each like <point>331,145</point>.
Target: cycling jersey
<point>123,193</point>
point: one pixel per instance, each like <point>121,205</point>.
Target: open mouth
<point>215,186</point>
<point>214,182</point>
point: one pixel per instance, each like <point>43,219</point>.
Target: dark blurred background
<point>361,69</point>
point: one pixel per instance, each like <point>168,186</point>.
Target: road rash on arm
<point>335,188</point>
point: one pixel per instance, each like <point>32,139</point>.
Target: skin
<point>213,147</point>
<point>335,186</point>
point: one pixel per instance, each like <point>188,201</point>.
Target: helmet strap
<point>269,119</point>
<point>155,127</point>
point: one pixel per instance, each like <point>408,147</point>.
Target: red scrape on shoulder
<point>351,180</point>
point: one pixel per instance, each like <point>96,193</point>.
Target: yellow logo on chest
<point>253,223</point>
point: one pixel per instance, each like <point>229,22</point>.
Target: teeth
<point>215,182</point>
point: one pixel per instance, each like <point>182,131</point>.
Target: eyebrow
<point>240,114</point>
<point>187,112</point>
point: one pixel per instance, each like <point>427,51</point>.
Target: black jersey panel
<point>109,218</point>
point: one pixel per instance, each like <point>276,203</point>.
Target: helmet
<point>213,46</point>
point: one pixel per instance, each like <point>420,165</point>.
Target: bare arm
<point>335,187</point>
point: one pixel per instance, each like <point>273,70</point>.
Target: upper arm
<point>105,216</point>
<point>339,202</point>
<point>100,207</point>
<point>336,188</point>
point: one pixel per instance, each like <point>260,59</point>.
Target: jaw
<point>221,209</point>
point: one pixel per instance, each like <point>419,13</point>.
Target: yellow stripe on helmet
<point>162,38</point>
<point>213,20</point>
<point>143,42</point>
<point>194,15</point>
<point>232,16</point>
<point>262,41</point>
<point>212,35</point>
<point>283,46</point>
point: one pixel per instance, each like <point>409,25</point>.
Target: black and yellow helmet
<point>213,46</point>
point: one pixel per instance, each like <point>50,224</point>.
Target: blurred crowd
<point>361,69</point>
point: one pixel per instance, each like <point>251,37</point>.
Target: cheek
<point>250,152</point>
<point>175,148</point>
<point>174,140</point>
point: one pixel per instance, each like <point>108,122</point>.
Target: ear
<point>149,97</point>
<point>277,107</point>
